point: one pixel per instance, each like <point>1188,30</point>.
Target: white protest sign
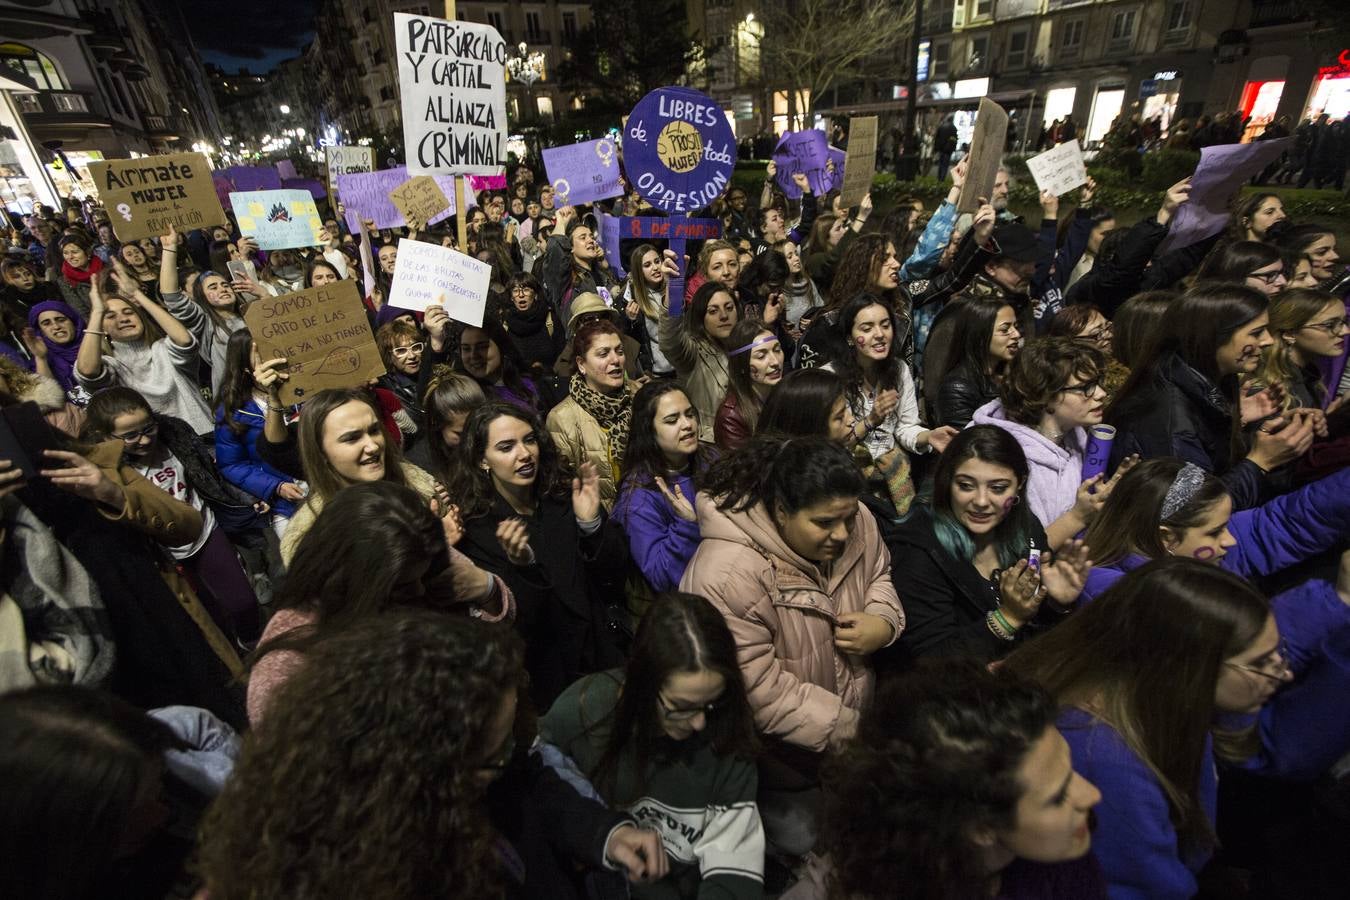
<point>452,78</point>
<point>429,274</point>
<point>348,161</point>
<point>1059,169</point>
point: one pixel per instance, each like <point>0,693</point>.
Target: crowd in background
<point>799,583</point>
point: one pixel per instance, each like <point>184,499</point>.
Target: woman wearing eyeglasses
<point>401,346</point>
<point>1175,668</point>
<point>1051,395</point>
<point>167,453</point>
<point>1252,263</point>
<point>535,329</point>
<point>1309,326</point>
<point>670,739</point>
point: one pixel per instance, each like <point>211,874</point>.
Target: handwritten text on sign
<point>277,219</point>
<point>807,152</point>
<point>323,334</point>
<point>862,160</point>
<point>1059,169</point>
<point>452,77</point>
<point>366,196</point>
<point>145,196</point>
<point>419,198</point>
<point>430,274</point>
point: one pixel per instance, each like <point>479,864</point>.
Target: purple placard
<point>803,151</point>
<point>584,173</point>
<point>315,188</point>
<point>286,169</point>
<point>369,197</point>
<point>1220,176</point>
<point>223,188</point>
<point>837,157</point>
<point>609,242</point>
<point>253,178</point>
<point>678,149</point>
<point>1097,453</point>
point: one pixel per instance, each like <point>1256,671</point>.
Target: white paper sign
<point>429,274</point>
<point>452,78</point>
<point>1059,169</point>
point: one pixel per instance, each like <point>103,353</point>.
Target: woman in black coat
<point>1182,400</point>
<point>973,570</point>
<point>527,520</point>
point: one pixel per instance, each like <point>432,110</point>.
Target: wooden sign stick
<point>461,186</point>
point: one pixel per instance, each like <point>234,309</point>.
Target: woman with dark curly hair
<point>379,748</point>
<point>544,530</point>
<point>670,738</point>
<point>958,787</point>
<point>870,265</point>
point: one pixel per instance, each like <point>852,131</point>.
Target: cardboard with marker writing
<point>145,196</point>
<point>419,198</point>
<point>347,161</point>
<point>986,153</point>
<point>861,162</point>
<point>323,334</point>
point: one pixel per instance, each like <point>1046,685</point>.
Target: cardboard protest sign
<point>862,160</point>
<point>1059,169</point>
<point>323,334</point>
<point>429,274</point>
<point>419,198</point>
<point>678,149</point>
<point>986,152</point>
<point>366,196</point>
<point>807,152</point>
<point>348,161</point>
<point>253,178</point>
<point>452,79</point>
<point>145,196</point>
<point>277,220</point>
<point>583,173</point>
<point>1219,177</point>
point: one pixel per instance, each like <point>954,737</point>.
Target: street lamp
<point>526,68</point>
<point>285,110</point>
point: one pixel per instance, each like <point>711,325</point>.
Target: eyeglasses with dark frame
<point>1268,277</point>
<point>1087,388</point>
<point>675,714</point>
<point>132,437</point>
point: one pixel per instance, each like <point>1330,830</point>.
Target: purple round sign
<point>678,149</point>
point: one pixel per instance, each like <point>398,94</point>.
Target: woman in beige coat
<point>592,423</point>
<point>798,568</point>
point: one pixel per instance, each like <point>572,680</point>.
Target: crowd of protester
<point>800,583</point>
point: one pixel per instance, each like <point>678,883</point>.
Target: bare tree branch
<point>816,43</point>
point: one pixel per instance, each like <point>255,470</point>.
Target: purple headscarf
<point>61,357</point>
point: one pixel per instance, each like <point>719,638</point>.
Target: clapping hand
<point>514,539</point>
<point>679,503</point>
<point>586,493</point>
<point>1065,575</point>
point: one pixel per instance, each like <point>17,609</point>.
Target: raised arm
<point>168,262</point>
<point>89,359</point>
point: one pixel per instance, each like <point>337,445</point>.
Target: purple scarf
<point>61,357</point>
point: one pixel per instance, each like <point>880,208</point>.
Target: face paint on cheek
<point>1203,554</point>
<point>1009,504</point>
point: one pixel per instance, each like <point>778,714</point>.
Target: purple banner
<point>253,178</point>
<point>1220,176</point>
<point>584,173</point>
<point>807,152</point>
<point>365,195</point>
<point>315,188</point>
<point>286,169</point>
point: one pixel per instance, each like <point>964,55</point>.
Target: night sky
<point>253,34</point>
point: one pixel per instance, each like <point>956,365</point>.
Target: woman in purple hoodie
<point>1051,394</point>
<point>656,496</point>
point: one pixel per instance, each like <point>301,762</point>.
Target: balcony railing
<point>1276,12</point>
<point>53,103</point>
